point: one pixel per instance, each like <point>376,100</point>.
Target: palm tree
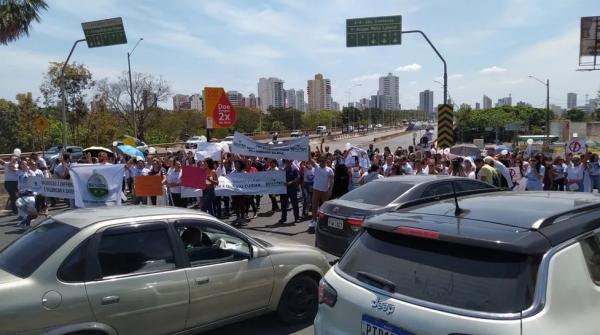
<point>16,16</point>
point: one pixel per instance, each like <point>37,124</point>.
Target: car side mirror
<point>258,252</point>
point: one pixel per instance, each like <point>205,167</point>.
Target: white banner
<point>361,154</point>
<point>209,150</point>
<point>54,188</point>
<point>297,149</point>
<point>268,182</point>
<point>188,192</point>
<point>97,185</point>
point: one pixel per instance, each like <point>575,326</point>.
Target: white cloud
<point>366,77</point>
<point>493,69</point>
<point>409,68</point>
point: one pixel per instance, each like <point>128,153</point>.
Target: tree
<point>247,120</point>
<point>147,92</point>
<point>575,115</point>
<point>9,126</point>
<point>28,110</point>
<point>16,16</point>
<point>77,83</point>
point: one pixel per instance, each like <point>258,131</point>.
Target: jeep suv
<point>495,263</point>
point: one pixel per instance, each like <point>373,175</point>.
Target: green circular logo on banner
<point>97,185</point>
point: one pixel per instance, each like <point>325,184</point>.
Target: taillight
<point>355,223</point>
<point>321,216</point>
<point>327,294</point>
<point>418,232</point>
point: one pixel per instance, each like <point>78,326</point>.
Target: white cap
<point>139,158</point>
<point>504,152</point>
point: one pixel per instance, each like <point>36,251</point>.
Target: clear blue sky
<point>490,46</point>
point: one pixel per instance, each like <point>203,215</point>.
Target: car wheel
<point>299,300</point>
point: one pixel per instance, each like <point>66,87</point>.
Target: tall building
<point>196,102</point>
<point>250,101</point>
<point>389,89</point>
<point>319,93</point>
<point>181,101</point>
<point>506,101</point>
<point>300,104</point>
<point>335,106</point>
<point>426,102</point>
<point>571,100</point>
<point>523,104</point>
<point>465,106</point>
<point>235,98</point>
<point>271,93</point>
<point>487,102</point>
<point>290,99</point>
<point>477,106</point>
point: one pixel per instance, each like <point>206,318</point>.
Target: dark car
<point>341,219</point>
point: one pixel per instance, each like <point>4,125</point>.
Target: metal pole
<point>548,112</point>
<point>439,55</point>
<point>64,94</point>
<point>131,95</point>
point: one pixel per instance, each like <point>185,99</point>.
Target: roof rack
<point>545,222</point>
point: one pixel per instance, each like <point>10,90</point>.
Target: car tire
<point>299,300</point>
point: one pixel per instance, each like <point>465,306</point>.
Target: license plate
<point>372,326</point>
<point>335,223</point>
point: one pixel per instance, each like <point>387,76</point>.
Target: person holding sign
<point>322,188</point>
<point>174,183</point>
<point>157,170</point>
<point>208,194</point>
<point>575,174</point>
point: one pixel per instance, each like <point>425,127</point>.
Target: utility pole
<point>547,84</point>
<point>135,134</point>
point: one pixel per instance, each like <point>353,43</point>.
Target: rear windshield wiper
<point>376,280</point>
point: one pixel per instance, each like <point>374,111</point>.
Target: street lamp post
<point>547,84</point>
<point>135,134</point>
<point>64,93</point>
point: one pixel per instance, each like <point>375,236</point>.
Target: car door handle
<point>111,299</point>
<point>202,280</point>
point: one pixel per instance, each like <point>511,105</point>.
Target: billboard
<point>589,42</point>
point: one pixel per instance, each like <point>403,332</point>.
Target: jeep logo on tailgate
<point>383,306</point>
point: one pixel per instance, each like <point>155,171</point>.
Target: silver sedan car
<point>150,270</point>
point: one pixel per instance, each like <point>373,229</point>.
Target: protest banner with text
<point>297,149</point>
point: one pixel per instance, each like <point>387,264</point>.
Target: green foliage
<point>498,117</point>
<point>575,115</point>
<point>311,120</point>
<point>248,120</point>
<point>16,16</point>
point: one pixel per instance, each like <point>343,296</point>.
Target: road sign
<point>104,32</point>
<point>371,31</point>
<point>575,146</point>
<point>220,113</point>
<point>40,123</point>
<point>589,40</point>
<point>445,137</point>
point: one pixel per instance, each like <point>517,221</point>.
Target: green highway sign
<point>104,32</point>
<point>371,31</point>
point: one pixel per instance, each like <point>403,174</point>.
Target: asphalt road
<point>264,225</point>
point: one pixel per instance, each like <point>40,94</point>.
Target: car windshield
<point>377,193</point>
<point>443,273</point>
<point>22,257</point>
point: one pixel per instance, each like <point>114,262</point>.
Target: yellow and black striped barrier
<point>445,133</point>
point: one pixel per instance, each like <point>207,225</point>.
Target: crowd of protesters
<point>325,175</point>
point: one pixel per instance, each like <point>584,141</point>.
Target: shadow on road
<point>258,326</point>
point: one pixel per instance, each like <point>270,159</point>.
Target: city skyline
<point>230,50</point>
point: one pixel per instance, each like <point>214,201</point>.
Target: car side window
<point>591,252</point>
<point>467,185</point>
<point>72,270</point>
<point>437,189</point>
<point>206,243</point>
<point>132,250</point>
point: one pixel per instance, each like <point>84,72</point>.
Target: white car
<point>499,263</point>
<point>228,140</point>
<point>193,142</point>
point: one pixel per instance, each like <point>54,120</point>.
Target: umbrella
<point>96,150</point>
<point>129,150</point>
<point>465,149</point>
<point>132,141</point>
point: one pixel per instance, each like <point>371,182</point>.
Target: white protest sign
<point>363,158</point>
<point>575,146</point>
<point>268,182</point>
<point>297,149</point>
<point>208,150</point>
<point>54,188</point>
<point>97,185</point>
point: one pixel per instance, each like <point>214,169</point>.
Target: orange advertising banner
<point>148,186</point>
